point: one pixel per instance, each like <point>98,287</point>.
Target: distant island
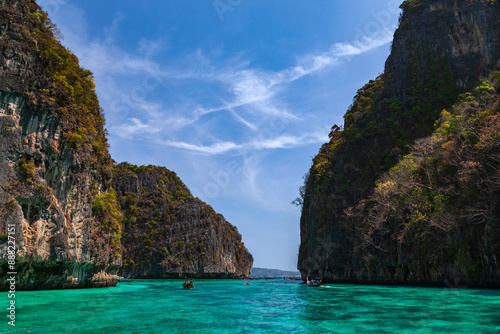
<point>262,272</point>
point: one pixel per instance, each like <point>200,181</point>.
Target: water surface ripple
<point>266,306</point>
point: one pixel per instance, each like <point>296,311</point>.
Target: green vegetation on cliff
<point>407,190</point>
<point>382,126</point>
<point>67,88</point>
<point>55,163</point>
<point>73,228</point>
<point>169,233</point>
<point>107,210</point>
<point>449,185</point>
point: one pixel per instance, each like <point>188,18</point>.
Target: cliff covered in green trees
<point>53,158</point>
<point>57,177</point>
<point>167,233</point>
<point>407,192</point>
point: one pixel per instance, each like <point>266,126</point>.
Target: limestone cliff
<point>462,33</point>
<point>56,178</point>
<point>53,158</point>
<point>391,198</point>
<point>167,233</point>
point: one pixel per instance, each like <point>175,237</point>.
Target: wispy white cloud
<point>149,48</point>
<point>251,96</point>
<point>279,142</point>
<point>241,119</point>
<point>362,46</point>
<point>114,29</point>
<point>258,89</point>
<point>217,148</point>
<point>134,127</point>
<point>253,90</point>
<point>106,59</point>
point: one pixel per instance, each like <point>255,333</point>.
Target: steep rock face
<point>56,198</point>
<point>53,158</point>
<point>442,48</point>
<point>463,33</point>
<point>169,234</point>
<point>433,218</point>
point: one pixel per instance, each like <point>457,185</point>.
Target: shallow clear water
<point>267,306</point>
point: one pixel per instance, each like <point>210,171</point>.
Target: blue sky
<point>235,96</point>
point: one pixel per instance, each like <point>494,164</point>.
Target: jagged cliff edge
<point>355,230</point>
<point>56,172</point>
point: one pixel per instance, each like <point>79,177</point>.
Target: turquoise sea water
<point>267,306</point>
